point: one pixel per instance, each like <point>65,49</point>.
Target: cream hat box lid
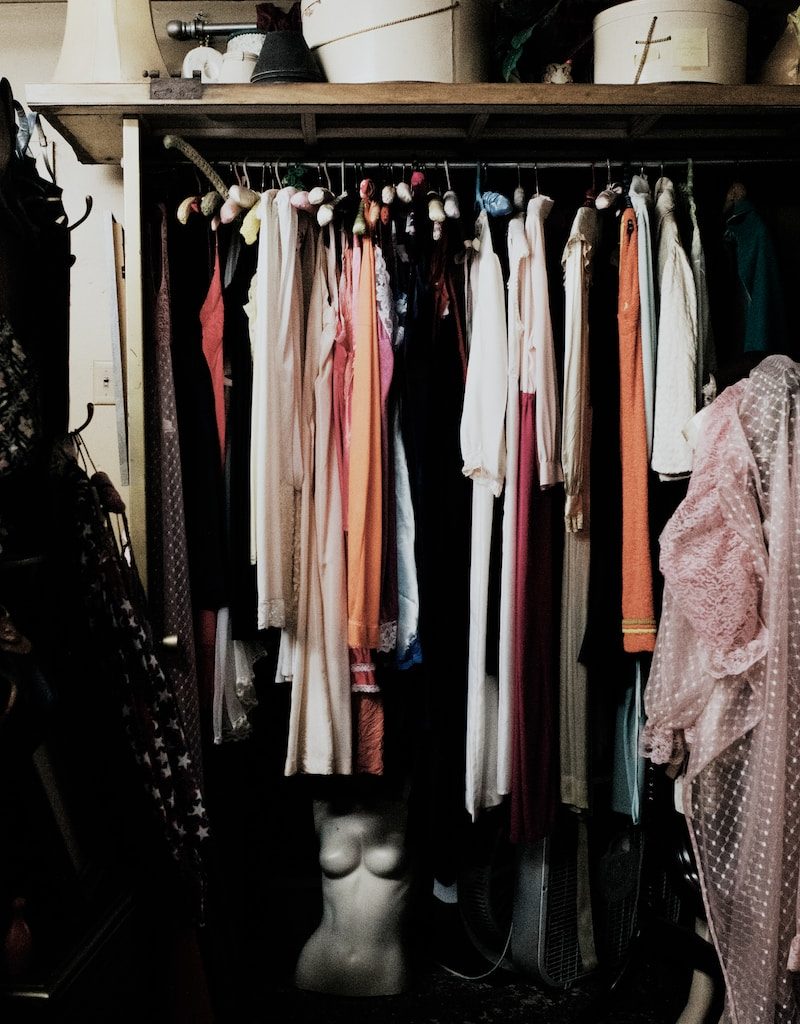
<point>691,41</point>
<point>398,40</point>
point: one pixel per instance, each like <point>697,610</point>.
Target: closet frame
<point>125,123</point>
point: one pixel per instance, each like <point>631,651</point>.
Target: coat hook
<point>87,421</point>
<point>89,204</point>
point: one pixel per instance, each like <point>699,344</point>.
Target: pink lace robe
<point>723,697</point>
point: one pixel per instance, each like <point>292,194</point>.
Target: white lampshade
<point>108,41</point>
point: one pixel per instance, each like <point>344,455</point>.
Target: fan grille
<point>562,960</point>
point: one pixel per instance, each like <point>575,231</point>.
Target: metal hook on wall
<point>87,421</point>
<point>84,216</point>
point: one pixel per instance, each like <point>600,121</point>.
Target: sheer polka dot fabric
<point>723,698</point>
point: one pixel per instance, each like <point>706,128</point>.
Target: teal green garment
<point>628,775</point>
<point>759,277</point>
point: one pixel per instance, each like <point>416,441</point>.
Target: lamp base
<point>108,41</point>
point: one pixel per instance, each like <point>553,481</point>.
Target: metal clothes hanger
<point>611,193</point>
<point>495,203</point>
<point>451,204</point>
<point>403,188</point>
<point>590,195</point>
<point>389,190</point>
<point>519,193</point>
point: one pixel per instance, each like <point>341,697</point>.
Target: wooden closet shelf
<point>491,121</point>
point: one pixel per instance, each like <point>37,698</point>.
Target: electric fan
<point>532,894</point>
<point>548,940</point>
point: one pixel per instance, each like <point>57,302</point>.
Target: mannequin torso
<point>357,950</point>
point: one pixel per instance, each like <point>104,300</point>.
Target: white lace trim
<point>246,692</point>
<point>272,613</point>
<point>661,745</point>
<point>238,729</point>
<point>385,300</point>
<point>365,688</point>
<point>362,666</point>
<point>388,637</point>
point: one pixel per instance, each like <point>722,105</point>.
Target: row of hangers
<point>372,198</point>
<point>377,188</point>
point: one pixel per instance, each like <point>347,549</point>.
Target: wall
<point>30,43</point>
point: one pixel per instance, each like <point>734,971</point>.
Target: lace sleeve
<point>711,631</point>
<point>713,555</point>
<point>662,744</point>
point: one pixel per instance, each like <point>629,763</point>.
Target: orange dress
<point>638,619</point>
<point>364,486</point>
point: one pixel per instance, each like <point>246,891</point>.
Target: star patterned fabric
<point>115,604</point>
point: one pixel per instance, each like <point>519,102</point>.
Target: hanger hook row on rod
<point>444,165</point>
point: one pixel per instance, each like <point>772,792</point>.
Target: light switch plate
<point>102,383</point>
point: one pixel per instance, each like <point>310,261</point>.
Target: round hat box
<point>398,40</point>
<point>671,41</point>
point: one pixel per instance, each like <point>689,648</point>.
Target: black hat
<point>285,57</point>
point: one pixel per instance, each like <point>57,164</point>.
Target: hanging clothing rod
<point>553,165</point>
<point>523,165</point>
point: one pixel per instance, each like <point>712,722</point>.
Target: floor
<point>650,988</point>
<point>651,996</point>
<point>269,903</point>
